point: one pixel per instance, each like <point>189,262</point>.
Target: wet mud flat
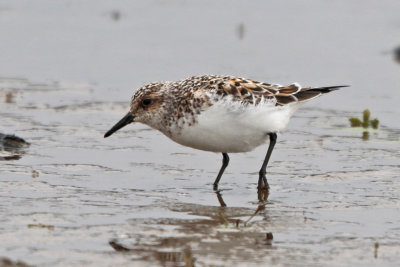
<point>74,198</point>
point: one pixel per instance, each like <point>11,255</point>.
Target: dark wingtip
<point>328,89</point>
<point>336,86</point>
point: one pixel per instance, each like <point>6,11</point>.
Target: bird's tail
<point>309,92</point>
<point>296,93</point>
<point>326,89</point>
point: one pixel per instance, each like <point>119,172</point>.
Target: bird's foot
<point>263,183</point>
<point>262,195</point>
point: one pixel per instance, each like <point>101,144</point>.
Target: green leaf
<point>375,123</point>
<point>366,115</point>
<point>355,122</point>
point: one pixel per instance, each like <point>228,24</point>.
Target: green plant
<point>366,122</point>
<point>374,123</point>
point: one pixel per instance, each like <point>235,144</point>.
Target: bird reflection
<point>220,199</point>
<point>9,98</point>
<point>214,228</point>
<point>262,195</point>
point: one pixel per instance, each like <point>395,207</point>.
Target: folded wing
<point>252,92</point>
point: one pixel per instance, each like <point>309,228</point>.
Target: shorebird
<point>224,114</point>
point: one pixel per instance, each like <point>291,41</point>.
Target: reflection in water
<point>220,199</point>
<point>183,257</point>
<point>9,98</point>
<point>6,262</point>
<point>35,173</point>
<point>168,251</point>
<point>259,208</point>
<point>13,146</point>
<point>226,231</point>
<point>13,157</point>
<point>262,198</point>
<point>262,195</point>
<point>365,136</point>
<point>376,250</point>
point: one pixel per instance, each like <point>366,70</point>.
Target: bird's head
<point>145,107</point>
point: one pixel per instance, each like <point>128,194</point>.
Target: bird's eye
<point>146,102</point>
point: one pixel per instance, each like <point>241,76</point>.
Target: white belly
<point>238,129</point>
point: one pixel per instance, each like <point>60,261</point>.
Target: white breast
<point>232,127</point>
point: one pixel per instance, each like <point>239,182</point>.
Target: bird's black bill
<point>123,122</point>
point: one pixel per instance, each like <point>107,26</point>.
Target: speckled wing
<point>252,92</point>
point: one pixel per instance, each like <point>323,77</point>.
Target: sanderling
<point>223,114</point>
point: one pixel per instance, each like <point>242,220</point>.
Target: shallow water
<point>75,198</point>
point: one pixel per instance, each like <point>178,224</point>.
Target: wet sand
<point>136,198</point>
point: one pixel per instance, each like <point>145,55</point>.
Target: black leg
<point>225,162</point>
<point>262,180</point>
